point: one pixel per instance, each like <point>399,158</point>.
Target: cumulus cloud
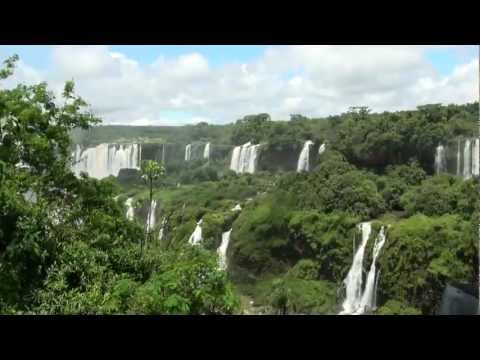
<point>311,80</point>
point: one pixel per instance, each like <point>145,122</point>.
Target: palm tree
<point>151,171</point>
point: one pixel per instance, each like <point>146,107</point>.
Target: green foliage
<point>259,237</point>
<point>152,171</point>
<point>327,238</point>
<point>65,244</point>
<point>305,269</point>
<point>422,254</point>
<point>378,140</point>
<point>192,284</point>
<point>395,307</point>
<point>291,295</point>
<point>443,194</point>
<point>336,186</point>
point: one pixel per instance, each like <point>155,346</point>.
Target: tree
<point>35,159</point>
<point>151,172</point>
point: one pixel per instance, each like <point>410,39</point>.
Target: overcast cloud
<point>311,80</point>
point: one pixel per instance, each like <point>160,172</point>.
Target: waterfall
<point>369,294</point>
<point>30,196</point>
<point>188,152</point>
<point>151,216</point>
<point>303,163</point>
<point>196,236</point>
<point>476,157</point>
<point>467,162</point>
<point>458,159</point>
<point>130,212</point>
<point>235,158</point>
<point>222,250</point>
<point>321,149</point>
<point>206,151</point>
<point>440,160</point>
<point>244,158</point>
<point>237,208</point>
<point>161,233</point>
<point>353,281</point>
<point>105,159</point>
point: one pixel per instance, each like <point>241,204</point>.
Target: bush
<point>290,295</point>
<point>305,269</point>
<point>395,307</point>
<point>421,255</point>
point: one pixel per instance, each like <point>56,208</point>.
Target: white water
<point>353,281</point>
<point>105,159</point>
<point>440,160</point>
<point>151,216</point>
<point>237,208</point>
<point>476,157</point>
<point>467,158</point>
<point>161,232</point>
<point>458,158</point>
<point>130,211</point>
<point>467,162</point>
<point>196,236</point>
<point>303,163</point>
<point>222,250</point>
<point>244,158</point>
<point>369,294</point>
<point>206,151</point>
<point>30,196</point>
<point>188,152</point>
<point>321,149</point>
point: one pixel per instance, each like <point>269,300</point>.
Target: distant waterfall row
<point>244,158</point>
<point>108,159</point>
<point>188,152</point>
<point>462,159</point>
<point>105,159</point>
<point>358,300</point>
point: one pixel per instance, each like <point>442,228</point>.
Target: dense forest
<point>73,244</point>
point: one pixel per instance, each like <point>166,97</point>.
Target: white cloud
<point>322,80</point>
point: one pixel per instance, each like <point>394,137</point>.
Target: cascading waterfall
<point>461,159</point>
<point>188,152</point>
<point>440,160</point>
<point>196,236</point>
<point>458,159</point>
<point>206,151</point>
<point>130,211</point>
<point>235,158</point>
<point>467,152</point>
<point>162,231</point>
<point>353,281</point>
<point>222,250</point>
<point>321,149</point>
<point>236,208</point>
<point>244,158</point>
<point>105,159</point>
<point>369,294</point>
<point>151,216</point>
<point>476,157</point>
<point>303,163</point>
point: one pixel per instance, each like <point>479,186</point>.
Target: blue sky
<point>40,56</point>
<point>220,84</point>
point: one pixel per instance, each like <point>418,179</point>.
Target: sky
<point>186,84</point>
